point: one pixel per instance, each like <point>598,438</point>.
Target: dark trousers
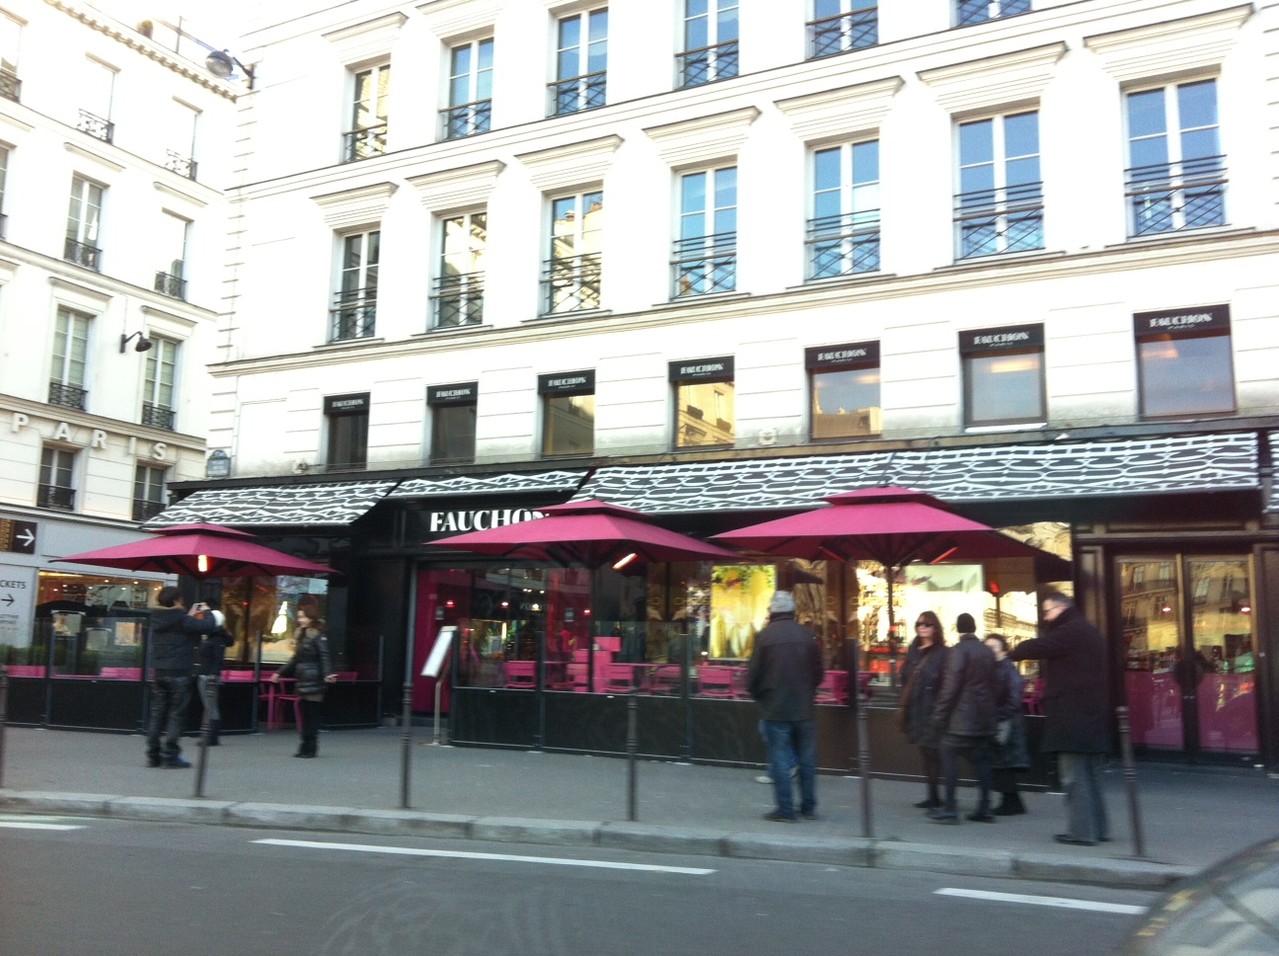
<point>932,772</point>
<point>170,696</point>
<point>310,710</point>
<point>977,750</point>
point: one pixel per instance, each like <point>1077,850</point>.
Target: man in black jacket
<point>175,632</point>
<point>965,715</point>
<point>785,669</point>
<point>1075,721</point>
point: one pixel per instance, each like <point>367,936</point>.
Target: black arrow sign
<point>8,599</point>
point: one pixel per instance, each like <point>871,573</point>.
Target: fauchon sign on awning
<point>567,383</point>
<point>460,393</point>
<point>829,357</point>
<point>719,369</point>
<point>1009,337</point>
<point>1211,318</point>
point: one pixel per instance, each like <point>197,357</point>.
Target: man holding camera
<point>175,633</point>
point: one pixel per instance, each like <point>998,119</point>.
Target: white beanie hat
<point>782,603</point>
<point>218,618</point>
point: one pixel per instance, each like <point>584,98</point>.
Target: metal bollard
<point>863,763</point>
<point>406,743</point>
<point>1130,782</point>
<point>206,731</point>
<point>632,744</point>
<point>4,713</point>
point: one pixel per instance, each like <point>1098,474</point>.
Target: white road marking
<point>498,857</point>
<point>16,825</point>
<point>1059,901</point>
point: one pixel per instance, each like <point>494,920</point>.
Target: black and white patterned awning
<point>1272,504</point>
<point>311,505</point>
<point>503,484</point>
<point>1222,462</point>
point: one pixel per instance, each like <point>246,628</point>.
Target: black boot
<point>215,726</point>
<point>1010,805</point>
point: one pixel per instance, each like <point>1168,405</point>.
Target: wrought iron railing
<point>571,284</point>
<point>576,94</point>
<point>843,32</point>
<point>55,496</point>
<point>705,264</point>
<point>82,254</point>
<point>708,64</point>
<point>182,165</point>
<point>991,222</point>
<point>172,285</point>
<point>68,396</point>
<point>459,300</point>
<point>843,245</point>
<point>363,143</point>
<point>158,416</point>
<point>1168,197</point>
<point>466,119</point>
<point>10,86</point>
<point>354,315</point>
<point>968,12</point>
<point>145,510</point>
<point>96,126</point>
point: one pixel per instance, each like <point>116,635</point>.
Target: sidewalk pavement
<point>1189,817</point>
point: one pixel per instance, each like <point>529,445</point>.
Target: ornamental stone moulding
<point>994,81</point>
<point>454,19</point>
<point>458,188</point>
<point>367,40</point>
<point>1176,46</point>
<point>570,165</point>
<point>842,112</point>
<point>355,207</point>
<point>703,139</point>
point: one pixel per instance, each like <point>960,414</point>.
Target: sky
<point>216,22</point>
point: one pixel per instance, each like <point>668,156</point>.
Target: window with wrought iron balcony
<point>10,85</point>
<point>68,396</point>
<point>172,283</point>
<point>146,510</point>
<point>843,245</point>
<point>703,265</point>
<point>992,222</point>
<point>353,315</point>
<point>458,300</point>
<point>82,254</point>
<point>707,64</point>
<point>96,126</point>
<point>363,143</point>
<point>577,94</point>
<point>581,58</point>
<point>1171,197</point>
<point>158,416</point>
<point>571,284</point>
<point>56,497</point>
<point>177,163</point>
<point>839,26</point>
<point>466,119</point>
<point>968,12</point>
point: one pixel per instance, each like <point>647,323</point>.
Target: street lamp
<point>222,64</point>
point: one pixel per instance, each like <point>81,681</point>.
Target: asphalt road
<point>104,887</point>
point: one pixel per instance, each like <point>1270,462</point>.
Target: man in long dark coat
<point>1073,653</point>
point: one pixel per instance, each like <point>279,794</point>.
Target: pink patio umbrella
<point>894,527</point>
<point>200,551</point>
<point>590,533</point>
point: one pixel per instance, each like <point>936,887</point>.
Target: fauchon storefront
<point>1174,542</point>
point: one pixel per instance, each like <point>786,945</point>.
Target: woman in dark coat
<point>1009,754</point>
<point>921,679</point>
<point>312,668</point>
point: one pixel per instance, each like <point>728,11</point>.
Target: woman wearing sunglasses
<point>921,679</point>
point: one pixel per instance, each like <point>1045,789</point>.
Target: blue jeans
<point>791,742</point>
<point>169,699</point>
<point>1085,805</point>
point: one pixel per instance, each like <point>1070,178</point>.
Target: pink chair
<point>619,679</point>
<point>122,673</point>
<point>237,676</point>
<point>276,696</point>
<point>578,677</point>
<point>26,670</point>
<point>665,679</point>
<point>715,681</point>
<point>834,688</point>
<point>521,675</point>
